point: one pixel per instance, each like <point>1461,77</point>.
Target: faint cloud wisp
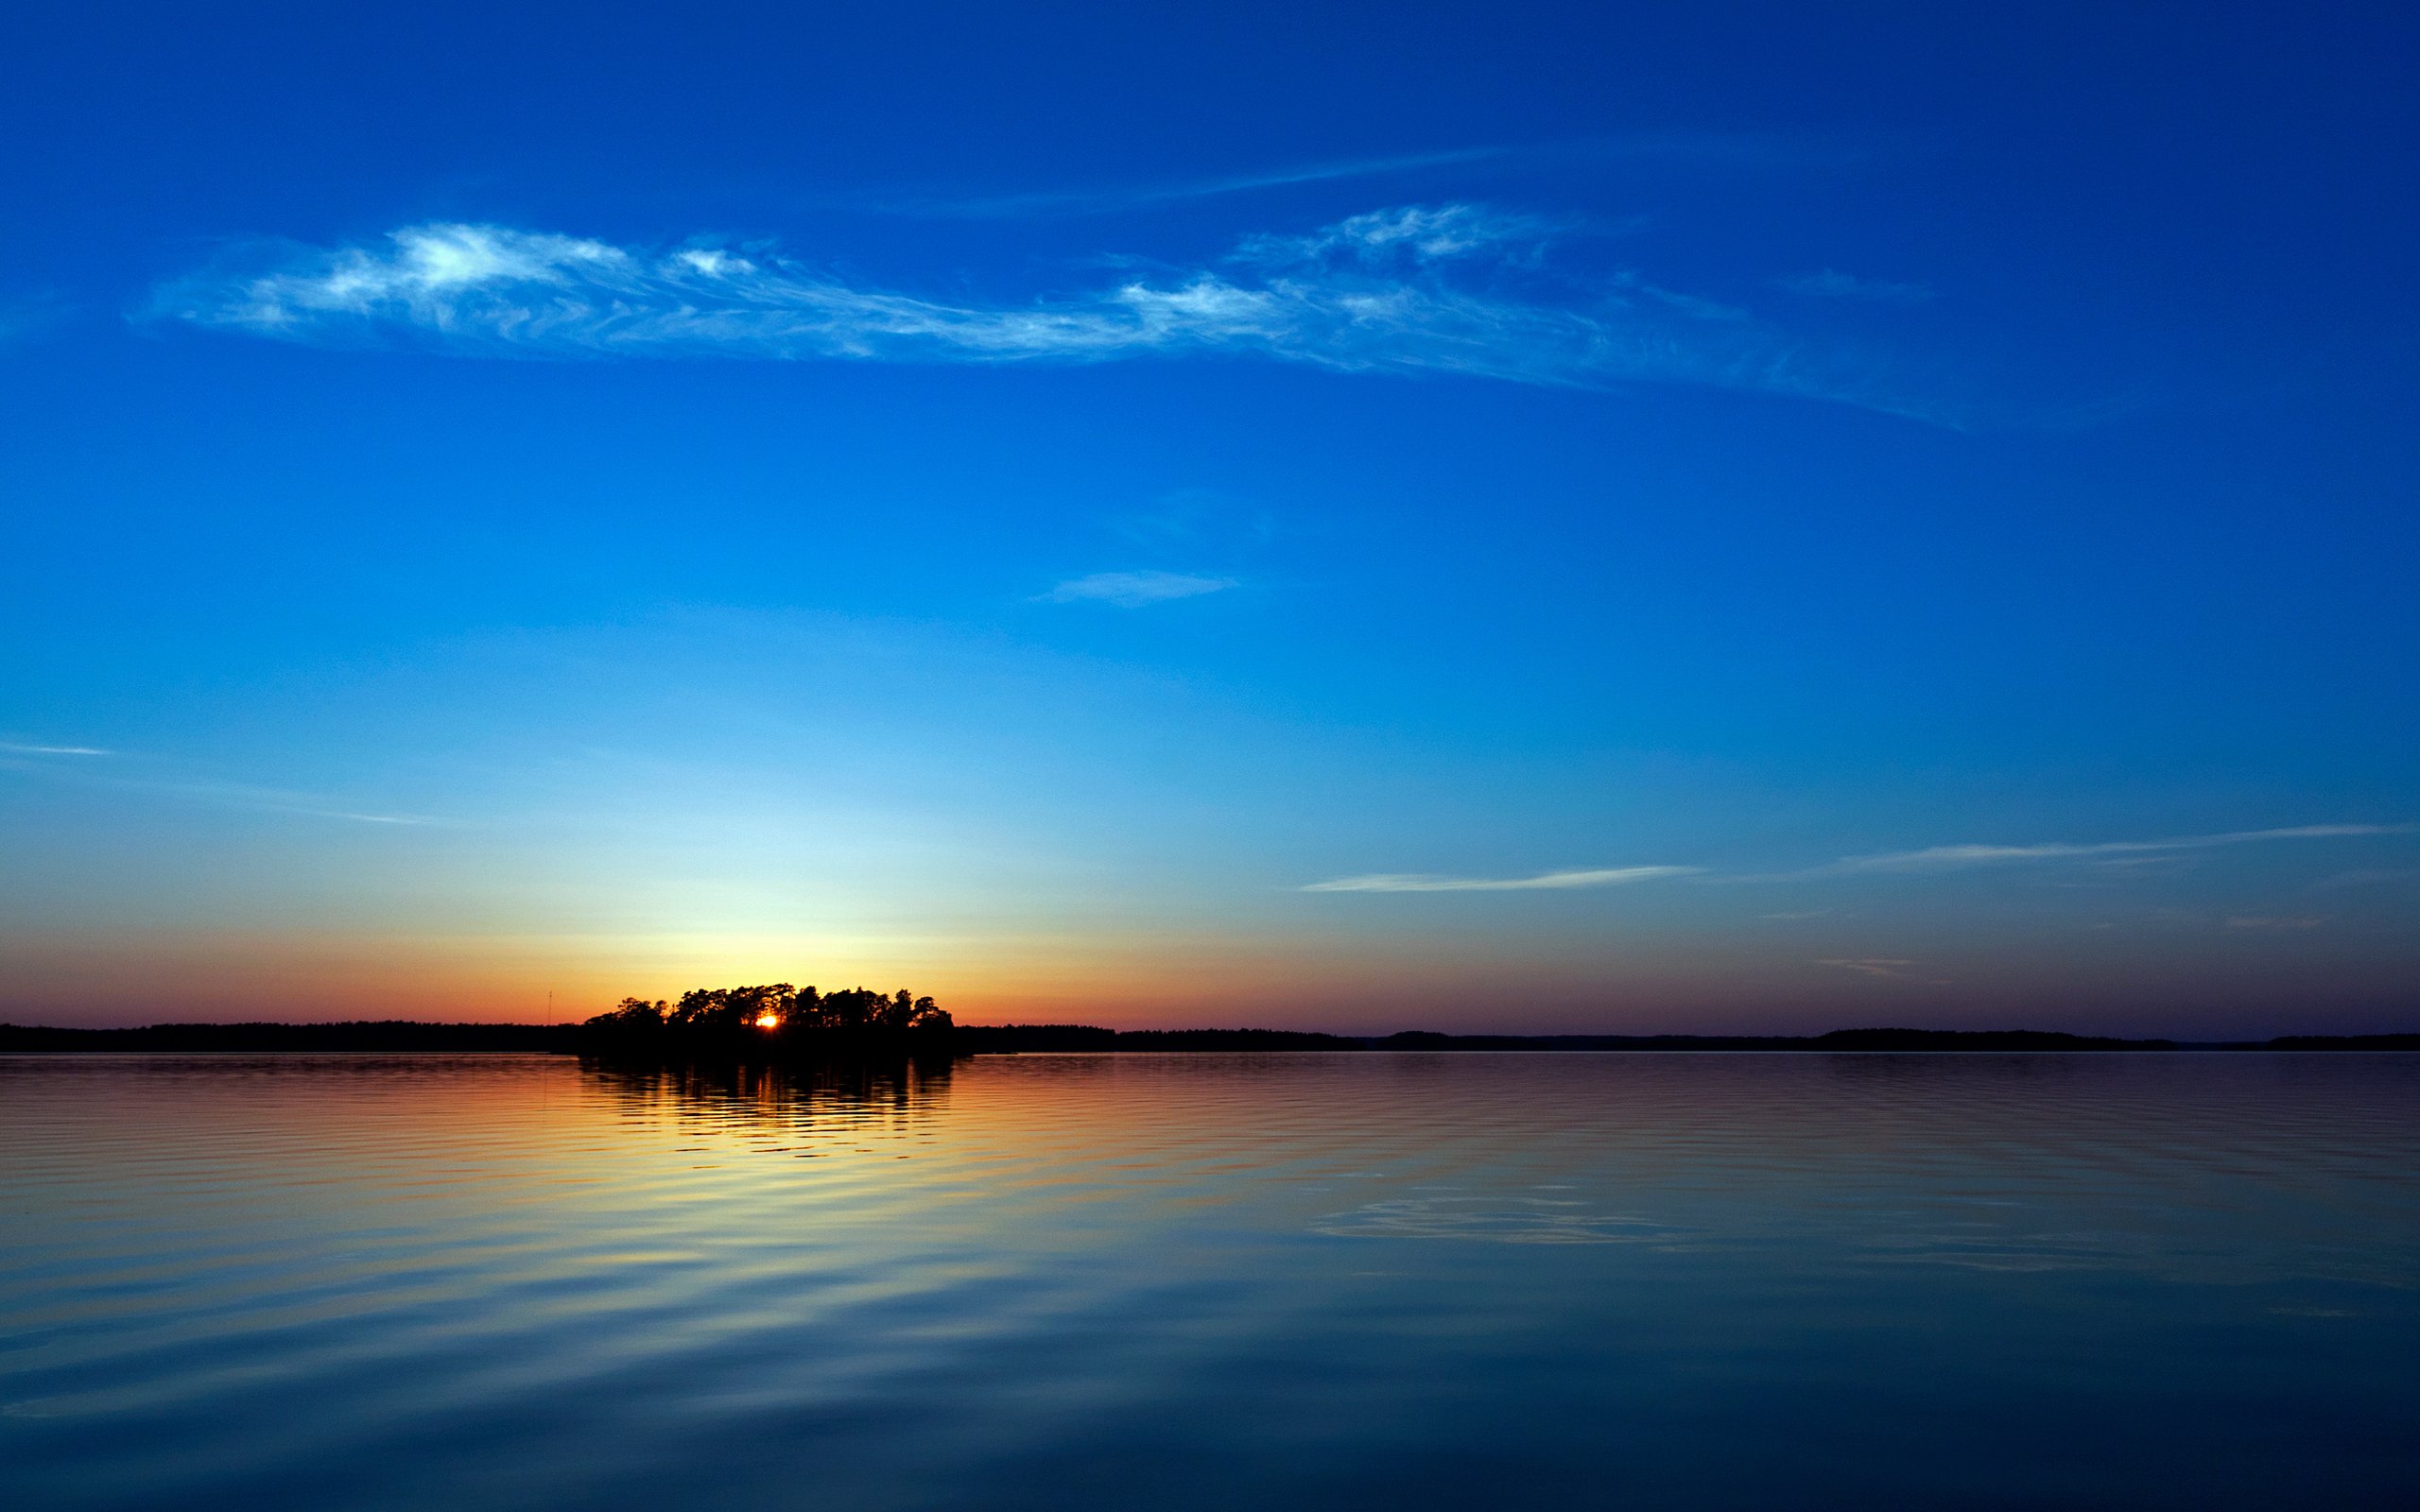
<point>219,793</point>
<point>1549,880</point>
<point>1696,152</point>
<point>1134,589</point>
<point>1931,860</point>
<point>1893,967</point>
<point>1870,965</point>
<point>1955,857</point>
<point>1110,201</point>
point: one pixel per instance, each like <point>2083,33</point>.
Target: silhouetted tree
<point>632,1016</point>
<point>748,1020</point>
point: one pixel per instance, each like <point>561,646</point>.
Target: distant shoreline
<point>392,1036</point>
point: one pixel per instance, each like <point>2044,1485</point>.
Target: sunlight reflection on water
<point>1212,1281</point>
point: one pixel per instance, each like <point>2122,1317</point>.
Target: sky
<point>1679,517</point>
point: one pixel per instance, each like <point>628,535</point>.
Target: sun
<point>768,1021</point>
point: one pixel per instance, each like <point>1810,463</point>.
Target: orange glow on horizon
<point>768,1021</point>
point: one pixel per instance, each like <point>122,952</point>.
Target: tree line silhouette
<point>773,1018</point>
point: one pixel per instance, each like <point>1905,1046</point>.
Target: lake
<point>1213,1281</point>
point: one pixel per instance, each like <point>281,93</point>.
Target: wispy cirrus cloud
<point>1891,968</point>
<point>1405,237</point>
<point>147,777</point>
<point>1870,965</point>
<point>1546,881</point>
<point>1958,857</point>
<point>1934,859</point>
<point>1134,589</point>
<point>1458,288</point>
<point>1696,152</point>
<point>269,800</point>
<point>1110,201</point>
<point>357,818</point>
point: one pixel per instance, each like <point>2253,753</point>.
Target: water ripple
<point>370,1282</point>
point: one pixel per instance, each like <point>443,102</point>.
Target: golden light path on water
<point>1211,1280</point>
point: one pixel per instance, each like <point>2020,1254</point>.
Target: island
<point>771,1021</point>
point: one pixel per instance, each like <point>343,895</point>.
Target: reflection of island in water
<point>774,1092</point>
<point>772,1022</point>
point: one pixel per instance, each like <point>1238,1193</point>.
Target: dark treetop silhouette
<point>774,1018</point>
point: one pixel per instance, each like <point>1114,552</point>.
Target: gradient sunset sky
<point>1523,517</point>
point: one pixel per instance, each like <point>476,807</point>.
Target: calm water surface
<point>1769,1282</point>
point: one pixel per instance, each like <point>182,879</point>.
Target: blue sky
<point>1523,517</point>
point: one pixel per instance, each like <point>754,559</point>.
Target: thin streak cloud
<point>1930,859</point>
<point>1957,857</point>
<point>1871,965</point>
<point>1549,880</point>
<point>269,801</point>
<point>1889,968</point>
<point>210,791</point>
<point>1110,201</point>
<point>1448,290</point>
<point>1134,590</point>
<point>1698,151</point>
